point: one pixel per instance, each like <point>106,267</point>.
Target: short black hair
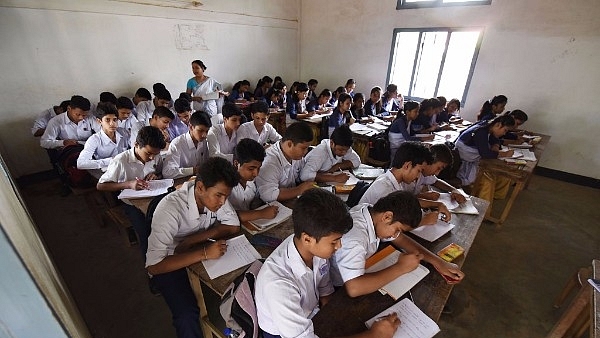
<point>413,152</point>
<point>248,150</point>
<point>108,97</point>
<point>259,107</point>
<point>518,114</point>
<point>231,109</point>
<point>342,136</point>
<point>78,101</point>
<point>403,204</point>
<point>298,132</point>
<point>124,102</point>
<point>162,94</point>
<point>143,92</point>
<point>158,87</point>
<point>163,112</point>
<point>312,82</point>
<point>504,120</point>
<point>150,136</point>
<point>181,106</point>
<point>64,105</point>
<point>105,108</point>
<point>215,170</point>
<point>200,117</point>
<point>186,96</point>
<point>319,213</point>
<point>441,153</point>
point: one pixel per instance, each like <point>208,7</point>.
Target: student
<point>492,108</point>
<point>296,107</point>
<point>318,104</point>
<point>385,221</point>
<point>442,115</point>
<point>101,147</point>
<point>294,280</point>
<point>180,125</point>
<point>275,99</point>
<point>373,105</point>
<point>514,135</point>
<point>312,87</point>
<point>222,138</point>
<point>105,97</point>
<point>189,226</point>
<point>279,178</point>
<point>145,109</point>
<point>341,114</point>
<point>290,93</point>
<point>277,80</point>
<point>200,85</point>
<point>284,94</point>
<point>132,169</point>
<point>262,87</point>
<point>400,128</point>
<point>240,91</point>
<point>453,108</point>
<point>392,100</point>
<point>248,158</point>
<point>327,160</point>
<point>40,123</point>
<point>71,128</point>
<point>333,102</point>
<point>422,124</point>
<point>142,94</point>
<point>126,120</point>
<point>442,157</point>
<point>188,151</point>
<point>358,105</point>
<point>350,86</point>
<point>259,129</point>
<point>161,117</point>
<point>408,164</point>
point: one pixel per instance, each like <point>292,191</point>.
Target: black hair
<point>238,84</point>
<point>108,97</point>
<point>248,150</point>
<point>105,108</point>
<point>443,100</point>
<point>518,114</point>
<point>124,102</point>
<point>150,136</point>
<point>163,112</point>
<point>486,108</point>
<point>342,136</point>
<point>278,85</point>
<point>325,93</point>
<point>359,96</point>
<point>63,105</point>
<point>186,96</point>
<point>338,91</point>
<point>312,82</point>
<point>215,170</point>
<point>143,92</point>
<point>343,97</point>
<point>158,87</point>
<point>259,107</point>
<point>231,109</point>
<point>277,79</point>
<point>162,94</point>
<point>319,213</point>
<point>78,101</point>
<point>182,106</point>
<point>435,102</point>
<point>350,81</point>
<point>410,105</point>
<point>200,117</point>
<point>298,132</point>
<point>391,88</point>
<point>265,79</point>
<point>200,63</point>
<point>504,120</point>
<point>300,87</point>
<point>441,153</point>
<point>456,102</point>
<point>414,152</point>
<point>403,204</point>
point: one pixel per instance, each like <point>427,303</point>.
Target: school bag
<point>357,193</point>
<point>238,307</point>
<point>67,161</point>
<point>379,147</point>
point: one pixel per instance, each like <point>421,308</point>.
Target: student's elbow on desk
<point>354,288</point>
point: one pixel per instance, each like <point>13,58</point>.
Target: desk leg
<point>513,196</point>
<point>197,289</point>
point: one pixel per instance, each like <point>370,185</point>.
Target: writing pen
<point>211,240</point>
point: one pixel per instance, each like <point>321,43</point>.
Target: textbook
<point>433,232</point>
<point>401,285</point>
<point>413,322</point>
<point>261,225</point>
<point>239,253</point>
<point>157,187</point>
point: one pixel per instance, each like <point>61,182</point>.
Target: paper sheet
<point>283,214</point>
<point>413,322</point>
<point>368,173</point>
<point>465,208</point>
<point>352,180</point>
<point>433,232</point>
<point>239,253</point>
<point>210,96</point>
<point>446,198</point>
<point>157,187</point>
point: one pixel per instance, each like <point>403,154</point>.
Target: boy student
<point>183,112</point>
<point>326,161</point>
<point>248,158</point>
<point>40,123</point>
<point>188,151</point>
<point>385,221</point>
<point>126,118</point>
<point>71,128</point>
<point>408,163</point>
<point>259,129</point>
<point>132,169</point>
<point>188,227</point>
<point>101,147</point>
<point>161,118</point>
<point>294,280</point>
<point>222,138</point>
<point>145,109</point>
<point>279,178</point>
<point>142,94</point>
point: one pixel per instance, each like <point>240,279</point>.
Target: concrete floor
<point>512,278</point>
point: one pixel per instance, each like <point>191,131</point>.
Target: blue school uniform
<point>443,116</point>
<point>235,95</point>
<point>420,123</point>
<point>386,100</point>
<point>371,109</point>
<point>293,108</point>
<point>313,105</point>
<point>478,136</point>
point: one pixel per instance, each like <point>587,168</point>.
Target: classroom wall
<point>542,54</point>
<point>53,49</point>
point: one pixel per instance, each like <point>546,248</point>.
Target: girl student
<point>274,99</point>
<point>201,85</point>
<point>341,114</point>
<point>453,110</point>
<point>373,105</point>
<point>392,100</point>
<point>335,95</point>
<point>240,91</point>
<point>262,87</point>
<point>400,128</point>
<point>296,106</point>
<point>358,106</point>
<point>350,86</point>
<point>492,108</point>
<point>319,104</point>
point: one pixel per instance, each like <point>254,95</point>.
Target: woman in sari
<point>206,92</point>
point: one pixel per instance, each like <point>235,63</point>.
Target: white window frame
<point>402,4</point>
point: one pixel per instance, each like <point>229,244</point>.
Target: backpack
<point>379,148</point>
<point>67,161</point>
<point>357,193</point>
<point>238,307</point>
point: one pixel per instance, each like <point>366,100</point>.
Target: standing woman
<point>201,85</point>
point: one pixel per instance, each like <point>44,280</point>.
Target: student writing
<point>222,138</point>
<point>259,129</point>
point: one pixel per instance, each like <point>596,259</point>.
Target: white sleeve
<point>113,174</point>
<point>86,156</point>
<point>214,147</point>
<point>350,260</point>
<point>272,135</point>
<point>162,236</point>
<point>49,139</point>
<point>172,164</point>
<point>312,165</point>
<point>227,216</point>
<point>267,182</point>
<point>353,157</point>
<point>40,122</point>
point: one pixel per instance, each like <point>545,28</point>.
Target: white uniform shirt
<point>135,129</point>
<point>61,128</point>
<point>183,156</point>
<point>322,159</point>
<point>276,172</point>
<point>288,292</point>
<point>127,124</point>
<point>144,110</point>
<point>268,134</point>
<point>99,149</point>
<point>417,186</point>
<point>383,186</point>
<point>219,144</point>
<point>241,197</point>
<point>126,167</point>
<point>42,120</point>
<point>176,217</point>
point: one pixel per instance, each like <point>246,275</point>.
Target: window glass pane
<point>428,63</point>
<point>457,64</point>
<point>403,60</point>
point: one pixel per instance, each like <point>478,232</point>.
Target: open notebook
<point>157,187</point>
<point>260,225</point>
<point>239,253</point>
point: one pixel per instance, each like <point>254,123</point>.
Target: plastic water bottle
<point>231,333</point>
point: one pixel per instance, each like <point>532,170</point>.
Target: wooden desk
<point>346,316</point>
<point>595,308</point>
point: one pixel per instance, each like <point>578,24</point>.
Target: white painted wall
<point>56,48</point>
<point>542,54</point>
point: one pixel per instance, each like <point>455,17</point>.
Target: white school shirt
<point>42,120</point>
<point>219,144</point>
<point>322,159</point>
<point>417,186</point>
<point>383,186</point>
<point>359,243</point>
<point>99,149</point>
<point>176,217</point>
<point>144,110</point>
<point>126,167</point>
<point>268,134</point>
<point>287,292</point>
<point>135,128</point>
<point>61,128</point>
<point>240,197</point>
<point>127,124</point>
<point>183,156</point>
<point>276,172</point>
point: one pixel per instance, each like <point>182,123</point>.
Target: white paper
<point>446,198</point>
<point>157,187</point>
<point>283,214</point>
<point>413,322</point>
<point>466,208</point>
<point>210,96</point>
<point>239,253</point>
<point>528,155</point>
<point>403,283</point>
<point>434,231</point>
<point>377,126</point>
<point>366,173</point>
<point>352,180</point>
<point>523,145</point>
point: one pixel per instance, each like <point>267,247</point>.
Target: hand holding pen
<point>140,184</point>
<point>215,248</point>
